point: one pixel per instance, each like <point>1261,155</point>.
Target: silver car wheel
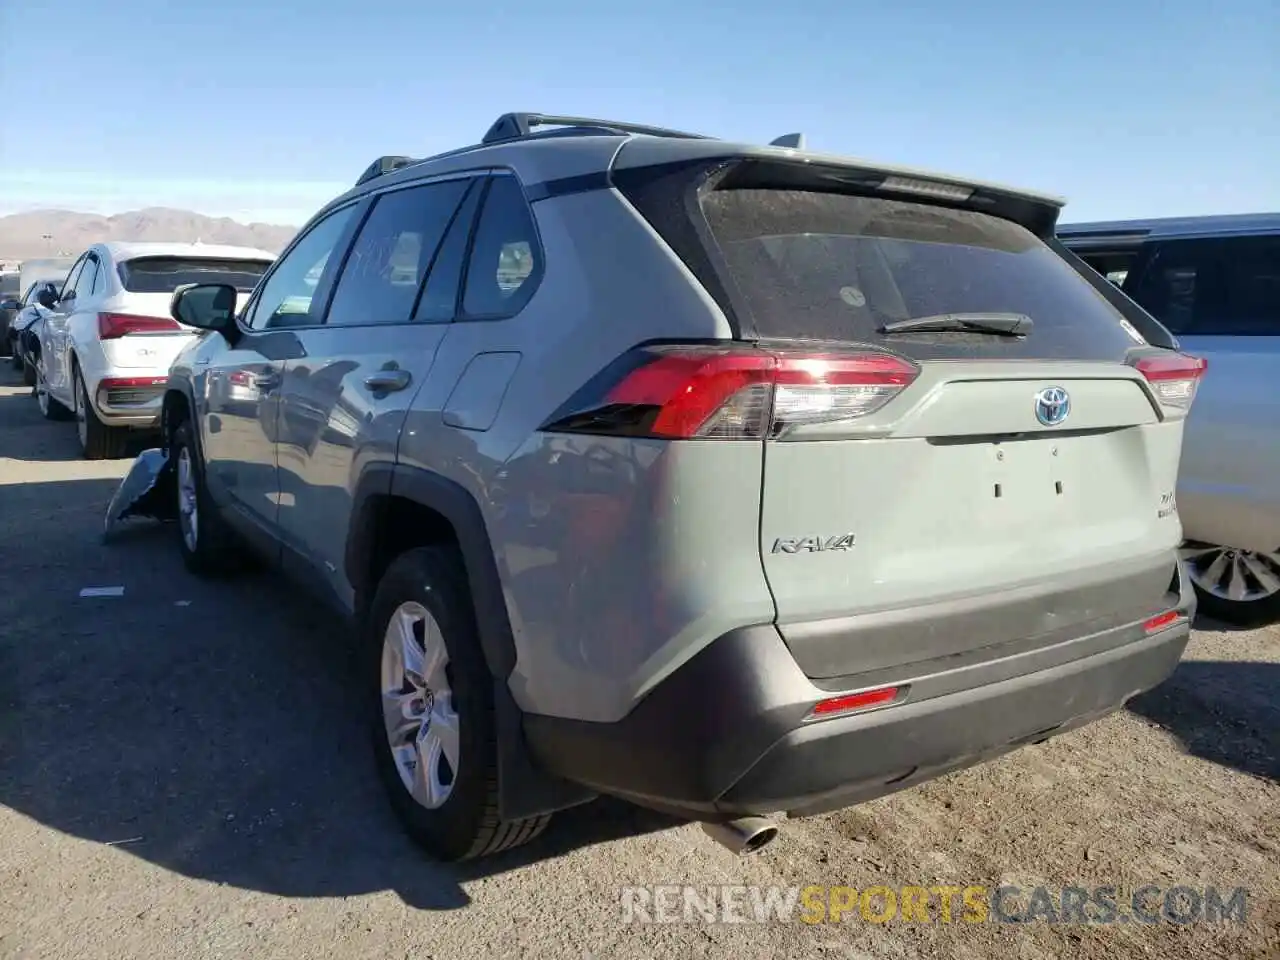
<point>42,394</point>
<point>82,404</point>
<point>188,510</point>
<point>417,705</point>
<point>1240,576</point>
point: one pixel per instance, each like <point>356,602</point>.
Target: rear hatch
<point>965,456</point>
<point>136,328</point>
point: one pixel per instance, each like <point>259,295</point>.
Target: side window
<point>1251,273</point>
<point>393,253</point>
<point>1214,287</point>
<point>1177,287</point>
<point>88,276</point>
<point>440,298</point>
<point>73,275</point>
<point>505,260</point>
<point>285,298</point>
<point>99,280</point>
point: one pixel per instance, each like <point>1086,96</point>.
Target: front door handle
<point>386,381</point>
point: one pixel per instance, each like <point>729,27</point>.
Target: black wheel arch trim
<point>184,388</point>
<point>459,508</point>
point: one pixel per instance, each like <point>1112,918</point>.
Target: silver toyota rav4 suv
<point>729,480</point>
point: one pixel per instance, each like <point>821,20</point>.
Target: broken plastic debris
<point>145,491</point>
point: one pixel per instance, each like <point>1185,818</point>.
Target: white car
<point>107,343</point>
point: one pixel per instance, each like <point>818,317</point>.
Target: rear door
<point>344,397</point>
<point>56,336</point>
<point>1221,297</point>
<point>1010,489</point>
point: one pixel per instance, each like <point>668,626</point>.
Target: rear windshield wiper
<point>1001,324</point>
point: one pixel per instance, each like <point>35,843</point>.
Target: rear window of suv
<point>829,266</point>
<point>166,274</point>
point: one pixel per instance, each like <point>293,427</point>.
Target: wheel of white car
<point>97,440</point>
<point>1235,586</point>
<point>50,408</point>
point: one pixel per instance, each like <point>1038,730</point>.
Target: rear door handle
<point>386,381</point>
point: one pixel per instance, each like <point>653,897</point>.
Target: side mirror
<point>10,304</point>
<point>207,306</point>
<point>47,297</point>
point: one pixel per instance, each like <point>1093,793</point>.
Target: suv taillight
<point>1174,379</point>
<point>731,392</point>
<point>112,326</point>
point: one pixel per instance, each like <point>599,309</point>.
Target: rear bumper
<point>726,735</point>
<point>130,401</point>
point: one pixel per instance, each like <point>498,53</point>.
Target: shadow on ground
<point>25,434</point>
<point>214,729</point>
<point>1224,711</point>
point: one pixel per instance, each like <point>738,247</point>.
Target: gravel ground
<point>183,774</point>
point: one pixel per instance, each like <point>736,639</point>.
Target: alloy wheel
<point>42,394</point>
<point>1240,576</point>
<point>418,713</point>
<point>188,510</point>
<point>82,406</point>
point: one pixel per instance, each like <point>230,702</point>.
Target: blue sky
<point>266,109</point>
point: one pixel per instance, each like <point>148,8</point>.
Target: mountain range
<point>22,235</point>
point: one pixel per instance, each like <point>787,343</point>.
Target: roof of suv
<point>584,147</point>
<point>1218,225</point>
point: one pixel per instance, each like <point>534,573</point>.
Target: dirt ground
<point>184,773</point>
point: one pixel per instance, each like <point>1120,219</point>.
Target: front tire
<point>97,440</point>
<point>50,408</point>
<point>433,720</point>
<point>205,541</point>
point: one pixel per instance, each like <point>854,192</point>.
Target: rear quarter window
<point>827,266</point>
<point>166,274</point>
<point>1223,286</point>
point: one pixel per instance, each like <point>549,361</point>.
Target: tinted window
<point>9,284</point>
<point>392,254</point>
<point>166,274</point>
<point>1225,287</point>
<point>36,288</point>
<point>831,266</point>
<point>501,272</point>
<point>69,283</point>
<point>84,283</point>
<point>286,295</point>
<point>440,298</point>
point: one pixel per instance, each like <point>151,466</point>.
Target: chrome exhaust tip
<point>744,836</point>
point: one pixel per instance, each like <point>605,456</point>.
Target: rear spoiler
<point>781,167</point>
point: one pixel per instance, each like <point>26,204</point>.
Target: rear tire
<point>97,440</point>
<point>207,544</point>
<point>423,600</point>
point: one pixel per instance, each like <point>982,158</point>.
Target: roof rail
<point>383,166</point>
<point>513,126</point>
